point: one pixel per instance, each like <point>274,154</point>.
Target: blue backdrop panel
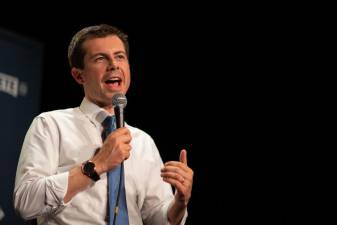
<point>20,85</point>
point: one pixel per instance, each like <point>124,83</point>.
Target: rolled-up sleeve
<point>39,189</point>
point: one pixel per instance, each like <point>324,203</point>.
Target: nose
<point>113,65</point>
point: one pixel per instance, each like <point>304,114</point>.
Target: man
<point>52,184</point>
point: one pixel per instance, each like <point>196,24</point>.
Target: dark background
<point>204,77</point>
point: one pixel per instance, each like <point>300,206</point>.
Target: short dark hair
<point>75,49</point>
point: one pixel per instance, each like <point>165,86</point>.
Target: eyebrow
<point>106,55</point>
<point>120,52</point>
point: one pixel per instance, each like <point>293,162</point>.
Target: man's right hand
<point>116,148</point>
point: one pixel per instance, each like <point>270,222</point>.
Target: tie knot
<point>109,122</point>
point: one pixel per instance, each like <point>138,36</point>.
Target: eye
<point>100,58</point>
<point>120,57</point>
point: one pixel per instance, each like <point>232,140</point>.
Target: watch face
<point>89,167</point>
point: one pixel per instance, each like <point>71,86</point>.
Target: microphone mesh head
<point>119,100</point>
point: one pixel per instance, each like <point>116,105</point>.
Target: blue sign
<point>20,87</point>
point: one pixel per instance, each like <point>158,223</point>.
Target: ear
<point>77,75</point>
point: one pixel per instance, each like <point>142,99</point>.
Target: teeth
<point>114,79</point>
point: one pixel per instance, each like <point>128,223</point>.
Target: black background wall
<point>205,78</point>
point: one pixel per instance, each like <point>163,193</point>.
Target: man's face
<point>106,70</point>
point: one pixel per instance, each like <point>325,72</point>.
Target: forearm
<point>176,212</point>
<point>77,182</point>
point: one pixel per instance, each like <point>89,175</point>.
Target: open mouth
<point>114,82</point>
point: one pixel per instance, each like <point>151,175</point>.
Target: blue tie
<point>114,179</point>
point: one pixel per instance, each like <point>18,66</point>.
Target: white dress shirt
<point>59,140</point>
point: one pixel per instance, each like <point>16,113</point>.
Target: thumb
<point>183,156</point>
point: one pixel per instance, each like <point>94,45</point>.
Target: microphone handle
<point>119,113</point>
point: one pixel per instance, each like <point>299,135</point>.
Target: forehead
<point>108,43</point>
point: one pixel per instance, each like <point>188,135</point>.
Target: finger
<point>126,155</point>
<point>126,147</point>
<point>175,183</point>
<point>125,138</point>
<point>183,156</point>
<point>176,176</point>
<point>176,167</point>
<point>122,130</point>
<point>119,132</point>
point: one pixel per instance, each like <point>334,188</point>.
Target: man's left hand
<point>180,176</point>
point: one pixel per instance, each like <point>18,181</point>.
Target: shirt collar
<point>93,112</point>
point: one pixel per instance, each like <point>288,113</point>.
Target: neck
<point>109,109</point>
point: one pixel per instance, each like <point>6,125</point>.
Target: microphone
<point>119,102</point>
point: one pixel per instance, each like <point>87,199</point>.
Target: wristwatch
<point>88,169</point>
